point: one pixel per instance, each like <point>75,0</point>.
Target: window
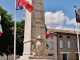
<point>60,36</point>
<point>51,45</point>
<point>51,36</point>
<point>50,54</point>
<point>68,36</point>
<point>61,44</point>
<point>68,44</point>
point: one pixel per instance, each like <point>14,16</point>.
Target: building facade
<point>60,45</point>
<point>51,50</point>
<point>67,46</point>
<point>64,44</point>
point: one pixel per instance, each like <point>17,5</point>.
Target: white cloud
<point>56,20</point>
<point>48,27</point>
<point>60,27</point>
<point>65,28</point>
<point>72,21</point>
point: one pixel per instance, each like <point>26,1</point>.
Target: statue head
<point>39,37</point>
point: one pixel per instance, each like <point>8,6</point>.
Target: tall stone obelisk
<point>34,29</point>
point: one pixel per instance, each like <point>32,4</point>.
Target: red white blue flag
<point>19,7</point>
<point>0,29</point>
<point>47,32</point>
<point>77,17</point>
<point>25,4</point>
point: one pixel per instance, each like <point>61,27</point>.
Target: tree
<point>6,40</point>
<point>20,37</point>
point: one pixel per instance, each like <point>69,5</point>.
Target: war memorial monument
<point>34,33</point>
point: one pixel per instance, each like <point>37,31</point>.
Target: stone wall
<point>9,57</point>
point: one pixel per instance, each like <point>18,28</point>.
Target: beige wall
<point>65,49</point>
<point>10,57</point>
<point>54,51</point>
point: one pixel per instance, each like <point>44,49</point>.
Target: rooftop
<point>62,31</point>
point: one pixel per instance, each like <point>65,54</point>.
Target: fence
<point>9,57</point>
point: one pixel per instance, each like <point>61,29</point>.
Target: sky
<point>59,14</point>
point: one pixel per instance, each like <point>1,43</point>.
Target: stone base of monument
<point>33,58</point>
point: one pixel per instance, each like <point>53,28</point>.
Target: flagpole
<point>15,32</point>
<point>78,42</point>
<point>0,17</point>
<point>77,36</point>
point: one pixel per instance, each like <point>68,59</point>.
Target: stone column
<point>34,27</point>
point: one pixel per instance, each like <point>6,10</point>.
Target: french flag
<point>0,28</point>
<point>25,4</point>
<point>47,32</point>
<point>77,17</point>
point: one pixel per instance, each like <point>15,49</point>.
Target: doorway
<point>65,57</point>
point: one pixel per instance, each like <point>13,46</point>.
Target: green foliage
<point>20,37</point>
<point>7,37</point>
